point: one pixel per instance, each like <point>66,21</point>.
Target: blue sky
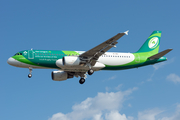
<point>146,93</point>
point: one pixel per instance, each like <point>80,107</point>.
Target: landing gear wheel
<point>82,80</point>
<point>30,75</point>
<point>90,72</point>
<point>30,70</point>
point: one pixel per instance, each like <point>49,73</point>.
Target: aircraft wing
<point>93,54</point>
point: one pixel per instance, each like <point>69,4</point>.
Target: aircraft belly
<point>78,68</point>
<point>17,63</point>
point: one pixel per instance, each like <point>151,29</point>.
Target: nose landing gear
<point>29,75</point>
<point>30,70</point>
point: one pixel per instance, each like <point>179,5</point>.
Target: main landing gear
<point>30,70</point>
<point>90,72</point>
<point>83,76</point>
<point>82,80</point>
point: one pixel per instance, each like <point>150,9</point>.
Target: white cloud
<point>98,117</point>
<point>107,106</point>
<point>129,105</point>
<point>102,105</point>
<point>156,114</point>
<point>174,78</point>
<point>112,78</point>
<point>118,87</point>
<point>159,65</point>
<point>175,116</point>
<point>59,116</point>
<point>149,114</point>
<point>107,88</point>
<point>115,115</point>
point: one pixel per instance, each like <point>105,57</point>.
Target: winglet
<point>126,32</point>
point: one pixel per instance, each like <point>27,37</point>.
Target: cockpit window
<point>18,54</point>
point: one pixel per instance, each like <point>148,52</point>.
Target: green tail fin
<point>152,43</point>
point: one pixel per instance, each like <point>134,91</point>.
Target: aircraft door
<point>30,54</point>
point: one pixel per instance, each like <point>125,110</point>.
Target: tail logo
<point>153,42</point>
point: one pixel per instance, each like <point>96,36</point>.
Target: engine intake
<point>60,75</point>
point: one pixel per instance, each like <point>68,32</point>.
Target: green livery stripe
<point>42,58</point>
<point>156,34</point>
<point>148,54</point>
<point>22,59</point>
<point>70,53</point>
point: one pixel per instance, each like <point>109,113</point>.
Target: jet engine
<point>69,61</point>
<point>60,75</point>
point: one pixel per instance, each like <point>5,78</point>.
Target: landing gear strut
<point>82,80</point>
<point>83,75</point>
<point>90,71</point>
<point>30,70</point>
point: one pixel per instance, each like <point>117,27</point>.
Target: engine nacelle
<point>68,61</point>
<point>71,60</point>
<point>60,75</point>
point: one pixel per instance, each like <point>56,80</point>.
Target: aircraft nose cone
<point>11,61</point>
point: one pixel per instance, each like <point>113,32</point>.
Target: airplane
<point>83,63</point>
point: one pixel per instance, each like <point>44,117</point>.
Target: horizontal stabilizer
<point>159,55</point>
